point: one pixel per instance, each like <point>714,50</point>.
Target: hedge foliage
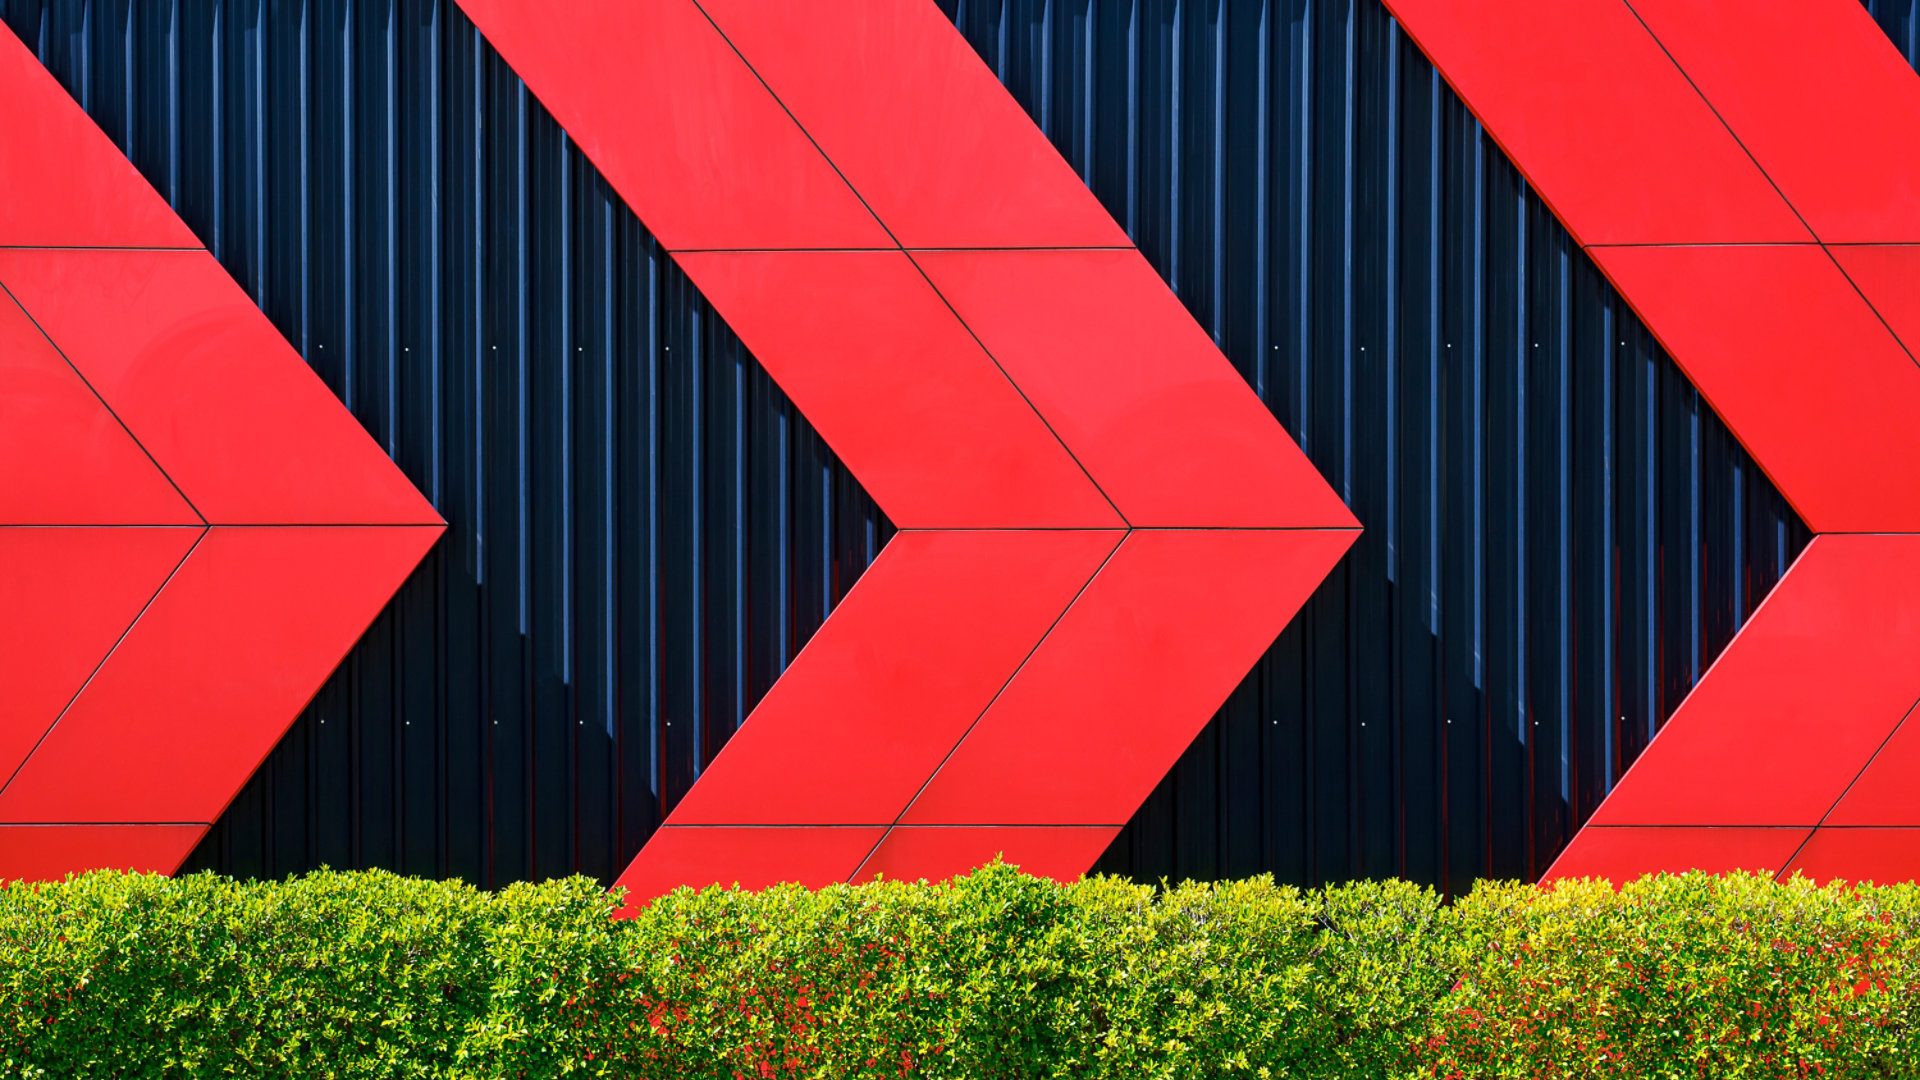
<point>996,975</point>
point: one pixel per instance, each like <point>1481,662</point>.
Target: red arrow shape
<point>1742,173</point>
<point>193,531</point>
<point>1101,526</point>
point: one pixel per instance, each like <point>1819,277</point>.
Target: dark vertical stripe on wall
<point>1560,536</point>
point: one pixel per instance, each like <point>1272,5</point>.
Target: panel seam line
<point>104,660</point>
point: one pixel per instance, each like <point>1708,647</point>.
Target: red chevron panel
<point>66,184</point>
<point>1135,388</point>
<point>51,852</point>
<point>1124,384</point>
<point>917,124</point>
<point>68,595</point>
<point>1820,98</point>
<point>210,677</point>
<point>945,441</point>
<point>908,661</point>
<point>86,469</point>
<point>1591,109</point>
<point>678,124</point>
<point>181,354</point>
<point>145,671</point>
<point>1622,854</point>
<point>1130,675</point>
<point>1884,856</point>
<point>1789,349</point>
<point>936,853</point>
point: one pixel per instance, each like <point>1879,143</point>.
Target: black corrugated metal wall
<point>1560,536</point>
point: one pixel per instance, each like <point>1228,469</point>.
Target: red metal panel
<point>1887,791</point>
<point>1096,342</point>
<point>1888,275</point>
<point>940,852</point>
<point>86,469</point>
<point>1623,855</point>
<point>1819,96</point>
<point>1135,388</point>
<point>1128,677</point>
<point>906,663</point>
<point>210,388</point>
<point>945,441</point>
<point>1796,706</point>
<point>1799,367</point>
<point>683,130</point>
<point>67,595</point>
<point>1599,119</point>
<point>66,183</point>
<point>917,124</point>
<point>51,852</point>
<point>752,858</point>
<point>211,675</point>
<point>171,715</point>
<point>1884,856</point>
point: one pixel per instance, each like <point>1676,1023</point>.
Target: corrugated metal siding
<point>1560,536</point>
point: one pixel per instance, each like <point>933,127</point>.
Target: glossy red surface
<point>66,184</point>
<point>147,663</point>
<point>673,118</point>
<point>210,389</point>
<point>1792,711</point>
<point>922,130</point>
<point>1883,856</point>
<point>1623,855</point>
<point>937,853</point>
<point>1128,677</point>
<point>908,661</point>
<point>1597,117</point>
<point>215,670</point>
<point>67,595</point>
<point>51,852</point>
<point>1810,380</point>
<point>86,469</point>
<point>752,858</point>
<point>1135,388</point>
<point>1819,96</point>
<point>1093,374</point>
<point>1888,275</point>
<point>1887,791</point>
<point>945,441</point>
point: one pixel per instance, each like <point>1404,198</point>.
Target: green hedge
<point>995,975</point>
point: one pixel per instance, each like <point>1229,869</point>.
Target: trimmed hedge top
<point>993,975</point>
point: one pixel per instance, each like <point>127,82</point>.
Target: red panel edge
<point>51,852</point>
